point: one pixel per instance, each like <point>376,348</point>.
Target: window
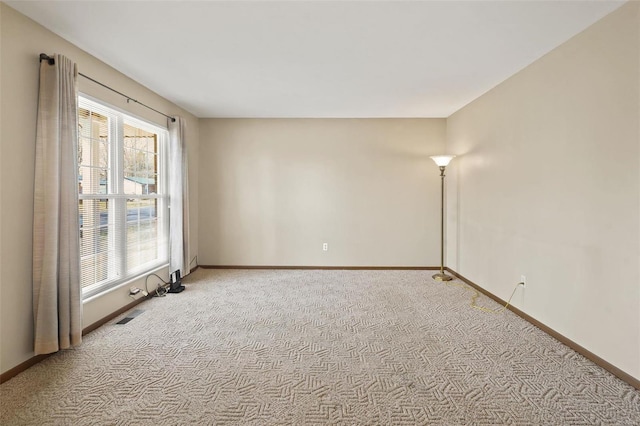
<point>123,199</point>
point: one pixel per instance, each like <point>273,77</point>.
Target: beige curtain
<point>57,304</point>
<point>179,196</point>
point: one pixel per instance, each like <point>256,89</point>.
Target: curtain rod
<point>51,60</point>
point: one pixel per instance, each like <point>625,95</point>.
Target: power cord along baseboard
<point>161,289</point>
<point>476,295</point>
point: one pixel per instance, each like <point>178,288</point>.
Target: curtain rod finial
<point>50,59</point>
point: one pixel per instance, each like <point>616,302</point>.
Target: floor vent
<point>131,315</point>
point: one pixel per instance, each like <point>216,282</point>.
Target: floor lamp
<point>442,161</point>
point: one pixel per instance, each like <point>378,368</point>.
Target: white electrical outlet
<point>325,246</point>
<point>523,280</point>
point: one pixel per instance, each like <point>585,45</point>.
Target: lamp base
<point>442,277</point>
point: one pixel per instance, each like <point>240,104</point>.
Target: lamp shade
<point>442,160</point>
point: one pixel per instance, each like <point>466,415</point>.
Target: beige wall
<point>548,185</point>
<point>273,190</point>
<point>21,41</point>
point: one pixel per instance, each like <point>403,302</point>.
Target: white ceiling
<point>317,58</point>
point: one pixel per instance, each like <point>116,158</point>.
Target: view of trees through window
<point>122,226</point>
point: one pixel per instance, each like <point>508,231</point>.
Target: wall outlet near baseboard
<point>134,292</point>
<point>523,280</point>
<point>325,246</point>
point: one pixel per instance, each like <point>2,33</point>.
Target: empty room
<point>320,212</point>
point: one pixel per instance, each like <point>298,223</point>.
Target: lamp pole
<point>442,161</point>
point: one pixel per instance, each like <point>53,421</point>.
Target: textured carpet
<point>318,347</point>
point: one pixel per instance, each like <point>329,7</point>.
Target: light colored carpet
<point>318,347</point>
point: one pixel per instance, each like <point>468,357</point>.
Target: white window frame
<point>115,192</point>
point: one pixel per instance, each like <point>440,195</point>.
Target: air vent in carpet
<point>131,315</point>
